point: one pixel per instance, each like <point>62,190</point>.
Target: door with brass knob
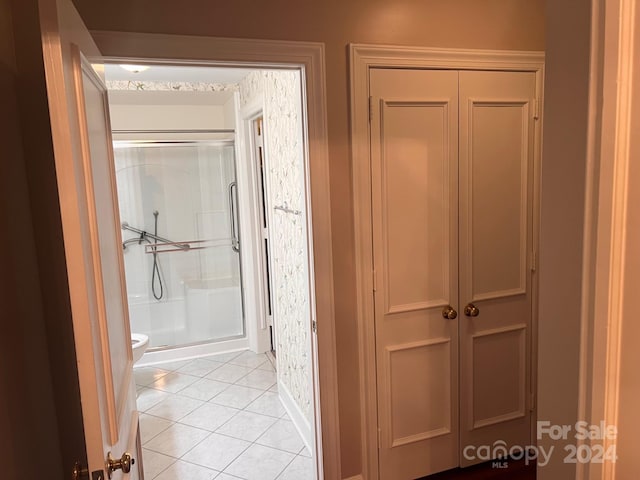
<point>496,240</point>
<point>81,132</point>
<point>415,215</point>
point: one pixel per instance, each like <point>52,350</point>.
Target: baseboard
<point>272,359</point>
<point>297,417</point>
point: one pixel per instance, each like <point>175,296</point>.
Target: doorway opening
<point>211,182</point>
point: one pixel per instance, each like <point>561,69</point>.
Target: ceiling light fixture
<point>134,68</point>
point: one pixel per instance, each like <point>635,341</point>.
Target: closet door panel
<point>497,189</point>
<point>496,239</point>
<point>414,137</point>
<point>415,204</point>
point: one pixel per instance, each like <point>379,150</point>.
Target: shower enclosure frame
<point>308,58</point>
<point>200,346</point>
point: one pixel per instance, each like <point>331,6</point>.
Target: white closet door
<point>496,239</point>
<point>414,139</point>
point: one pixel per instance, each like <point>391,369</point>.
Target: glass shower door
<point>180,238</point>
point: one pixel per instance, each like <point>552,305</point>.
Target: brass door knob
<point>471,310</point>
<point>124,463</point>
<point>449,313</point>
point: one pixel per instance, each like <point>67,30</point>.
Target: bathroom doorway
<point>82,139</point>
<point>214,228</point>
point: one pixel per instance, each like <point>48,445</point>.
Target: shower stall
<point>178,211</point>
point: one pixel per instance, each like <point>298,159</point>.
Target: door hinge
<point>374,276</point>
<point>370,109</point>
<point>532,402</point>
<point>536,109</point>
<point>81,473</point>
<point>534,261</point>
<point>314,326</point>
<point>379,438</point>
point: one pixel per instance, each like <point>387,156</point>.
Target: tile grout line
<point>171,394</point>
<point>285,468</point>
<point>166,468</point>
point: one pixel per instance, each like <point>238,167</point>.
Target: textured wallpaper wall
<point>284,153</point>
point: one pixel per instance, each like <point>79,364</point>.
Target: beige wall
<point>562,220</point>
<point>489,24</point>
<point>149,110</point>
<point>28,422</point>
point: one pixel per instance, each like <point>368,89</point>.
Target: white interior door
<point>496,245</point>
<point>84,166</point>
<point>414,143</point>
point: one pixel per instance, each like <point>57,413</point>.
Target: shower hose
<point>156,279</point>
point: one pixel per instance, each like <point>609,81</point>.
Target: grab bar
<point>235,242</point>
<point>143,234</point>
<point>155,248</point>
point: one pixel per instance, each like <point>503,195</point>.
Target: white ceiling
<point>168,73</point>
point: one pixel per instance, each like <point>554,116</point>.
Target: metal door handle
<point>124,463</point>
<point>449,313</point>
<point>471,310</point>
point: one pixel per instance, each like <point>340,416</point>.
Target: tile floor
<point>217,417</point>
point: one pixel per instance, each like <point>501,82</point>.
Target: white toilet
<point>139,343</point>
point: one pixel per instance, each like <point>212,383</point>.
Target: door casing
<point>251,221</point>
<point>362,58</point>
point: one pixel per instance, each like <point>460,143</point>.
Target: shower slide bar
<point>287,210</point>
<point>144,234</point>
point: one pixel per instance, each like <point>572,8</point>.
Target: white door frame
<point>255,291</point>
<point>309,58</point>
<point>362,59</point>
<point>606,302</point>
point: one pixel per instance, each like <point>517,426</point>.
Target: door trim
<point>609,180</point>
<point>309,58</point>
<point>250,221</point>
<point>362,58</point>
